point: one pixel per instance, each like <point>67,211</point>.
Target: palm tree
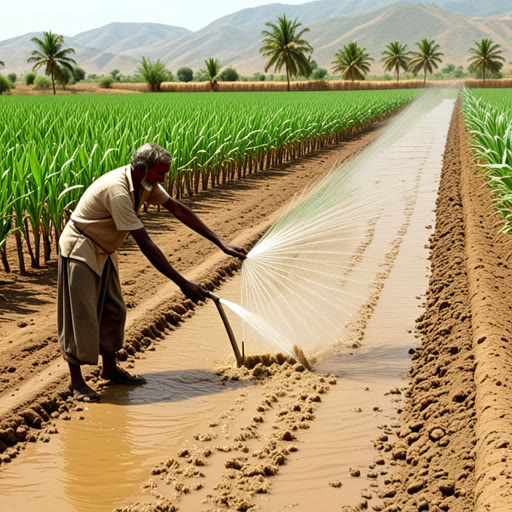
<point>395,56</point>
<point>212,71</point>
<point>154,73</point>
<point>51,54</point>
<point>427,58</point>
<point>352,62</point>
<point>486,56</point>
<point>284,46</point>
<point>2,63</point>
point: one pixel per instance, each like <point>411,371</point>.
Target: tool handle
<point>212,295</point>
<point>239,358</point>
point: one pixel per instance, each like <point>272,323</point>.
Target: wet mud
<point>451,448</point>
<point>244,447</point>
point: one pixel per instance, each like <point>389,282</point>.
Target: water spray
<point>238,356</point>
<point>306,278</point>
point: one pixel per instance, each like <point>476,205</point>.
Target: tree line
<point>283,46</point>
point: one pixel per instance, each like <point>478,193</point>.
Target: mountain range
<point>235,39</point>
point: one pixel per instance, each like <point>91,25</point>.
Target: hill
<point>235,42</point>
<point>235,39</point>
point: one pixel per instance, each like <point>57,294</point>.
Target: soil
<point>450,449</point>
<point>33,376</point>
<point>80,88</point>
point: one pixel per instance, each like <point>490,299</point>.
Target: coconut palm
<point>2,63</point>
<point>427,58</point>
<point>212,71</point>
<point>284,46</point>
<point>52,55</point>
<point>353,62</point>
<point>395,56</point>
<point>486,56</point>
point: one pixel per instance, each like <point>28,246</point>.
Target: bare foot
<point>119,375</point>
<point>83,393</point>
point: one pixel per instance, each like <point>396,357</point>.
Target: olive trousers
<point>91,312</point>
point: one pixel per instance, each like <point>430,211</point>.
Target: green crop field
<point>488,115</point>
<point>52,148</point>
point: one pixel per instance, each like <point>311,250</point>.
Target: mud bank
<point>452,449</point>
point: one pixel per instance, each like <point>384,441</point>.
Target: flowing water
<point>312,269</point>
<point>99,462</point>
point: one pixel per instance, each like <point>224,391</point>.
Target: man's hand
<point>190,219</point>
<point>234,250</point>
<point>193,291</point>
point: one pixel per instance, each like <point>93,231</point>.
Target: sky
<point>18,17</point>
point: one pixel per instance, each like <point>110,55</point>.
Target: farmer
<point>91,311</point>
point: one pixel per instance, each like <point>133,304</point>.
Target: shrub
<point>477,73</point>
<point>42,83</point>
<point>459,72</point>
<point>78,73</point>
<point>229,74</point>
<point>131,79</point>
<point>319,74</point>
<point>65,77</point>
<point>185,74</point>
<point>12,77</point>
<point>201,76</point>
<point>29,78</point>
<point>106,82</point>
<point>258,77</point>
<point>116,74</point>
<point>5,85</point>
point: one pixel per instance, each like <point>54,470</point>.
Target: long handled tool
<point>239,357</point>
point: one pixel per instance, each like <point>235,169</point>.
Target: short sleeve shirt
<point>103,218</point>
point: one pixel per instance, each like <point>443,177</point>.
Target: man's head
<point>150,163</point>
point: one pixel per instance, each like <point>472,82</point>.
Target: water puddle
<point>100,462</point>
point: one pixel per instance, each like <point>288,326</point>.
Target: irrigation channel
<point>103,461</point>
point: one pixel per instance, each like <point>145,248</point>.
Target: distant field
<point>499,98</point>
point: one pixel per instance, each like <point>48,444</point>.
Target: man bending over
<point>91,312</point>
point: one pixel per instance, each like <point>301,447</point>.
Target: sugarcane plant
<point>488,117</point>
<point>53,148</point>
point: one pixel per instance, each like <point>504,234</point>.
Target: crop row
<point>52,148</point>
<point>488,117</point>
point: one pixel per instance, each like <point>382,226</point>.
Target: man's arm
<point>192,290</point>
<point>190,219</point>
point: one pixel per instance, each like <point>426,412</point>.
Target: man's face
<point>157,173</point>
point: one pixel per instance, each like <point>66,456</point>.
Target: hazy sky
<point>68,18</point>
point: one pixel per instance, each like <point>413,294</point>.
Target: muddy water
<point>100,461</point>
<point>357,410</point>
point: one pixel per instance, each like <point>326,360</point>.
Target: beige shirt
<point>103,218</point>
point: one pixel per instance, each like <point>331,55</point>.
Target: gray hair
<point>148,155</point>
